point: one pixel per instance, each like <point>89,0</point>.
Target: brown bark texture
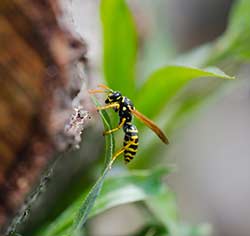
<point>36,55</point>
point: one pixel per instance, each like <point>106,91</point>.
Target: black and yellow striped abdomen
<point>131,136</point>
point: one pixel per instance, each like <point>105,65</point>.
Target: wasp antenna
<point>104,87</point>
<point>93,91</point>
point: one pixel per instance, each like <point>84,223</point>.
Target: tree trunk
<point>37,57</point>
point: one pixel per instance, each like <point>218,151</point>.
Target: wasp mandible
<point>126,110</point>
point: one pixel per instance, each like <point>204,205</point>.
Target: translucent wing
<point>151,125</point>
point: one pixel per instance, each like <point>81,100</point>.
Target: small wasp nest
<point>76,125</point>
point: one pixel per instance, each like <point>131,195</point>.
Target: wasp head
<point>113,96</point>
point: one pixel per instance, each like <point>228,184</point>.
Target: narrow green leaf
<point>239,18</point>
<point>90,199</point>
<point>120,40</point>
<point>234,43</point>
<point>131,187</point>
<point>88,203</point>
<point>117,190</point>
<point>166,82</point>
<point>236,38</point>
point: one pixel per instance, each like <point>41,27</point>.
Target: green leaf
<point>131,187</point>
<point>236,38</point>
<point>90,199</point>
<point>117,190</point>
<point>234,43</point>
<point>239,18</point>
<point>166,82</point>
<point>120,45</point>
<point>88,203</point>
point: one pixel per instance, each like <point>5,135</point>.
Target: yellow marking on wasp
<point>128,154</point>
<point>134,137</point>
<point>132,130</point>
<point>131,149</point>
<point>135,144</point>
<point>124,108</point>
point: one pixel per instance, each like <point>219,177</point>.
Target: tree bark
<point>37,56</point>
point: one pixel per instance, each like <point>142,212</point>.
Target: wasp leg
<point>113,105</point>
<point>115,129</point>
<point>118,153</point>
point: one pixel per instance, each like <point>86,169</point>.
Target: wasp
<point>126,110</point>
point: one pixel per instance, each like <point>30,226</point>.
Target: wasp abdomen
<point>131,136</point>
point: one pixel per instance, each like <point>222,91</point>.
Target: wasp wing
<point>151,125</point>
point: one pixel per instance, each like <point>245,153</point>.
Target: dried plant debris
<point>75,126</point>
